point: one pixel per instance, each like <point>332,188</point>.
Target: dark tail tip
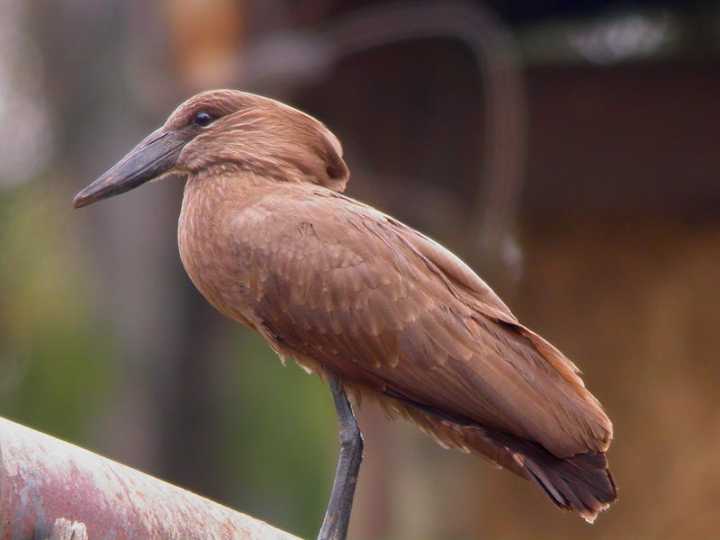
<point>581,483</point>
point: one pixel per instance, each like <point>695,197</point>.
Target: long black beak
<point>154,156</point>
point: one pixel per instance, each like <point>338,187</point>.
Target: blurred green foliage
<point>279,426</point>
<point>57,366</point>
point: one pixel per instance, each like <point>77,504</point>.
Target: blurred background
<point>566,149</point>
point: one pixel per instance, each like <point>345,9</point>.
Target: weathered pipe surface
<point>50,489</point>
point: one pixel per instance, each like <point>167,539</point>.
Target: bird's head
<point>224,130</point>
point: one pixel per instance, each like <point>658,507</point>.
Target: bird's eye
<point>203,119</point>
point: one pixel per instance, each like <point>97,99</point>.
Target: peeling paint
<point>66,529</point>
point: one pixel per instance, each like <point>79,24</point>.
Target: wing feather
<point>357,293</point>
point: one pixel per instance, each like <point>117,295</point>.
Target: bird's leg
<point>337,515</point>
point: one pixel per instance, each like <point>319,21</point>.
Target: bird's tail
<point>581,483</point>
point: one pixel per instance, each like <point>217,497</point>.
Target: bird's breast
<point>207,253</point>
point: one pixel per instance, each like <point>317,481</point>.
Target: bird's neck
<point>222,183</point>
<point>211,194</point>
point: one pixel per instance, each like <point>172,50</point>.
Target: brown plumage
<point>346,290</point>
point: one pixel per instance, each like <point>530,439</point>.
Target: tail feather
<point>581,483</point>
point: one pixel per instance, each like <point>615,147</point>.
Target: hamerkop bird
<point>372,305</point>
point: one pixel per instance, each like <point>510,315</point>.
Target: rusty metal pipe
<point>51,489</point>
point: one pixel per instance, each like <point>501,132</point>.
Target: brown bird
<point>374,306</point>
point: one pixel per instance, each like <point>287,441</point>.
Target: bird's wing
<point>386,308</point>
